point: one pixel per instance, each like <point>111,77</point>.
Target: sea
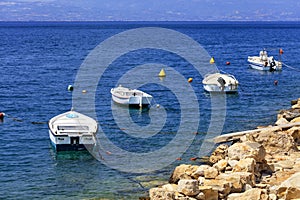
<point>40,60</point>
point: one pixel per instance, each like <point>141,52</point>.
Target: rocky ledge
<point>264,165</point>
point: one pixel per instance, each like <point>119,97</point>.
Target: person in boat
<point>222,83</point>
<point>272,65</point>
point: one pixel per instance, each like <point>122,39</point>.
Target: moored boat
<point>264,62</point>
<point>130,97</point>
<point>220,82</point>
<point>72,131</point>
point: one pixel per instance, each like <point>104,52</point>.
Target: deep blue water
<point>39,60</point>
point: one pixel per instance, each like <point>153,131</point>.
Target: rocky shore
<point>262,165</point>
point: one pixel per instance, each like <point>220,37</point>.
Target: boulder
<point>219,154</point>
<point>221,165</point>
<point>288,193</point>
<point>209,192</point>
<point>222,186</point>
<point>200,196</point>
<point>238,180</point>
<point>295,133</point>
<point>281,121</point>
<point>289,114</point>
<point>211,173</point>
<point>200,171</point>
<point>254,193</point>
<point>297,119</point>
<point>296,106</point>
<point>170,187</point>
<point>275,142</point>
<point>182,172</point>
<point>245,165</point>
<point>188,187</point>
<point>284,164</point>
<point>232,163</point>
<point>244,150</point>
<point>293,181</point>
<point>161,194</point>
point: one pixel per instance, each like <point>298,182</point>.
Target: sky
<point>149,10</point>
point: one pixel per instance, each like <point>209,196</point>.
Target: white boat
<point>264,62</point>
<point>72,131</point>
<point>130,97</point>
<point>218,82</point>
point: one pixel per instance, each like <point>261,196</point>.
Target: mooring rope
<point>21,120</point>
<point>293,68</point>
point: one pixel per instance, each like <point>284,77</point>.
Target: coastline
<point>259,164</point>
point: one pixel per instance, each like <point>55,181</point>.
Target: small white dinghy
<point>264,62</point>
<point>72,131</point>
<point>217,82</point>
<point>130,97</point>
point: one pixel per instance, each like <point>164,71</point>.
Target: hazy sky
<point>149,10</point>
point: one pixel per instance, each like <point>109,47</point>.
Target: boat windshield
<point>73,128</point>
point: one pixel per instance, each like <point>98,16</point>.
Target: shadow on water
<point>70,155</point>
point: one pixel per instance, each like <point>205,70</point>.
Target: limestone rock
<point>232,163</point>
<point>182,172</point>
<point>245,165</point>
<point>295,133</point>
<point>161,194</point>
<point>297,105</point>
<point>297,119</point>
<point>275,142</point>
<point>289,114</point>
<point>221,165</point>
<point>238,180</point>
<point>219,154</point>
<point>281,121</point>
<point>211,172</point>
<point>288,193</point>
<point>188,187</point>
<point>209,192</point>
<point>200,196</point>
<point>200,171</point>
<point>293,181</point>
<point>170,187</point>
<point>254,193</point>
<point>272,197</point>
<point>285,164</point>
<point>246,150</point>
<point>222,186</point>
<point>201,180</point>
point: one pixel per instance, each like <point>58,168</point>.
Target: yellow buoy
<point>212,60</point>
<point>162,73</point>
<point>190,80</point>
<point>83,91</point>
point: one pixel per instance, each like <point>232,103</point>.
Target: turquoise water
<point>39,60</point>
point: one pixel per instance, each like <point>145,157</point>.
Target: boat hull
<point>133,101</point>
<point>263,68</point>
<point>130,97</point>
<point>71,143</point>
<point>221,83</point>
<point>72,131</point>
<point>256,63</point>
<point>217,89</point>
